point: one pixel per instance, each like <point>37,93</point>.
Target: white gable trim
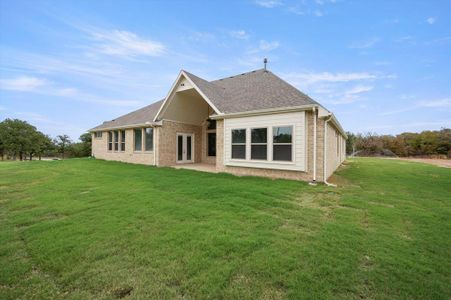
<point>174,85</point>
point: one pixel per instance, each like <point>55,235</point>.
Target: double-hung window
<point>239,143</point>
<point>149,139</point>
<point>282,143</point>
<point>116,140</point>
<point>122,140</point>
<point>110,141</point>
<point>138,139</point>
<point>98,134</point>
<point>259,143</point>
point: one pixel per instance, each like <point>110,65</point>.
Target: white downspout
<point>325,152</point>
<point>314,144</point>
<point>154,147</point>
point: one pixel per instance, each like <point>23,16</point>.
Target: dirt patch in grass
<point>445,163</point>
<point>122,292</point>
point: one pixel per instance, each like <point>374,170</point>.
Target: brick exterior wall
<point>167,139</point>
<point>211,160</point>
<point>334,152</point>
<point>242,171</point>
<point>100,150</point>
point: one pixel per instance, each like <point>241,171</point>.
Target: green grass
<point>85,229</point>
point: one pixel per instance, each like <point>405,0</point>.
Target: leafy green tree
<point>63,143</point>
<point>41,144</point>
<point>86,141</point>
<point>16,137</point>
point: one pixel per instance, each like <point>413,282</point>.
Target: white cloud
<point>307,79</point>
<point>23,83</point>
<point>351,95</point>
<point>318,13</point>
<point>45,87</point>
<point>268,3</point>
<point>296,10</point>
<point>444,103</point>
<point>382,63</point>
<point>264,46</point>
<point>406,39</point>
<point>415,126</point>
<point>365,43</point>
<point>125,43</point>
<point>443,40</point>
<point>239,34</point>
<point>202,36</point>
<point>359,89</point>
<point>440,103</point>
<point>31,116</point>
<point>268,46</point>
<point>431,20</point>
<point>336,88</point>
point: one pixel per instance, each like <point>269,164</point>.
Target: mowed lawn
<point>91,229</point>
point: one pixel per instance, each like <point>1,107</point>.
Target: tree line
<point>426,143</point>
<point>21,140</point>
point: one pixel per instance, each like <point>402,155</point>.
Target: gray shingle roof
<point>257,90</point>
<point>250,91</point>
<point>140,116</point>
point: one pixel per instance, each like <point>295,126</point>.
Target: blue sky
<point>380,66</point>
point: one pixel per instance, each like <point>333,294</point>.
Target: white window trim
<point>270,156</point>
<point>193,149</point>
<point>144,138</point>
<point>246,153</point>
<point>134,141</point>
<point>98,137</point>
<point>122,149</point>
<point>114,142</point>
<point>256,144</point>
<point>292,144</point>
<point>108,141</point>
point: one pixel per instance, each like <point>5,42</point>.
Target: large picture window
<point>211,137</point>
<point>116,140</point>
<point>122,140</point>
<point>110,141</point>
<point>149,139</point>
<point>259,143</point>
<point>138,139</point>
<point>239,143</point>
<point>282,143</point>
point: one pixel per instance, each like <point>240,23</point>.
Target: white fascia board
<point>168,96</point>
<point>202,94</point>
<point>268,111</point>
<point>147,124</point>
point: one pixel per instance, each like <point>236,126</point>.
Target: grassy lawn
<point>88,229</point>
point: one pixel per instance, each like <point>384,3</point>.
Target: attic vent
<point>182,84</point>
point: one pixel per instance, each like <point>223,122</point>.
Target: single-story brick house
<point>249,124</point>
